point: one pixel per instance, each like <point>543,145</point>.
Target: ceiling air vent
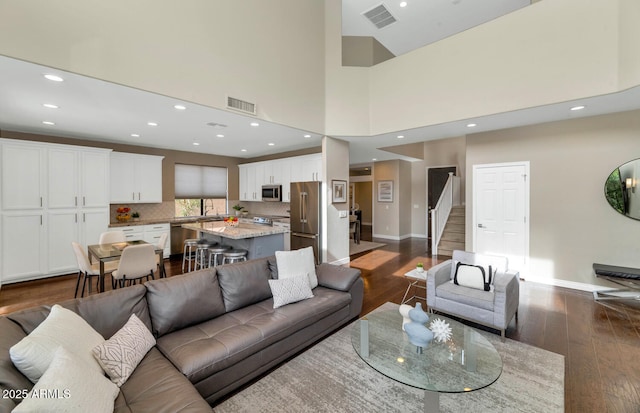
<point>380,16</point>
<point>241,105</point>
<point>216,125</point>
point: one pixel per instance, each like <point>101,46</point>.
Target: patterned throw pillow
<point>290,290</point>
<point>472,276</point>
<point>120,355</point>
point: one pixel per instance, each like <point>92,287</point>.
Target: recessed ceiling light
<point>403,4</point>
<point>196,144</point>
<point>471,125</point>
<point>220,135</point>
<point>152,124</point>
<point>307,136</point>
<point>179,107</point>
<point>54,78</point>
<point>254,124</point>
<point>243,150</point>
<point>400,136</point>
<point>50,106</point>
<point>135,135</point>
<point>374,159</point>
<point>577,107</point>
<point>271,144</point>
<point>47,122</point>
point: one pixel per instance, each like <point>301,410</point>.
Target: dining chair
<point>162,242</point>
<point>354,228</point>
<point>86,270</point>
<point>136,262</point>
<point>109,237</point>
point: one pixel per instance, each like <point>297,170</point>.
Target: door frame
<point>527,212</point>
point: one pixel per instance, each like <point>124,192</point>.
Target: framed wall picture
<point>385,191</point>
<point>338,191</point>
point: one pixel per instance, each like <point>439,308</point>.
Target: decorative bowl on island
<point>231,221</point>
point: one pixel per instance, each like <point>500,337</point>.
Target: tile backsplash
<point>166,210</point>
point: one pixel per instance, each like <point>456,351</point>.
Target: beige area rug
<point>363,246</point>
<point>331,377</point>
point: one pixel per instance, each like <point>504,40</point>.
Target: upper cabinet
<point>23,175</point>
<point>135,178</point>
<point>278,172</point>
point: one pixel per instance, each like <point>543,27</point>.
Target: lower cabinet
<point>150,233</point>
<point>23,246</point>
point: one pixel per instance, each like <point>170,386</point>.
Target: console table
<point>623,276</point>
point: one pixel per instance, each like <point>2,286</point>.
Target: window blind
<point>194,181</point>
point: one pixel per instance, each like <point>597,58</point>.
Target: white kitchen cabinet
<point>51,195</point>
<point>23,246</point>
<point>23,181</point>
<point>150,233</point>
<point>307,168</point>
<point>153,232</point>
<point>250,182</point>
<point>135,178</point>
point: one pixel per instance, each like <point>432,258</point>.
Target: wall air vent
<point>241,105</point>
<point>379,16</point>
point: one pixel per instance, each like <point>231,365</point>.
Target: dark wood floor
<point>601,345</point>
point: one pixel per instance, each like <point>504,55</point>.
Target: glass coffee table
<point>466,362</point>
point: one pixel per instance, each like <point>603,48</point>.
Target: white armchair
<point>494,308</point>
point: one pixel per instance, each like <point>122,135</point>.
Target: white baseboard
<point>392,237</point>
<point>419,236</point>
<point>569,284</point>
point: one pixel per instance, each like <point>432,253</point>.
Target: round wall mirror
<point>621,189</point>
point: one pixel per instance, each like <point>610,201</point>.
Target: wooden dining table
<point>112,252</point>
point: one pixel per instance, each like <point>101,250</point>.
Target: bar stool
<point>215,252</point>
<point>202,254</point>
<point>188,252</point>
<point>234,255</point>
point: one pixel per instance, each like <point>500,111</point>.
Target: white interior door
<point>501,212</point>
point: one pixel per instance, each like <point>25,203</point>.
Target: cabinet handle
<point>40,220</point>
<point>138,196</point>
<point>84,201</point>
<point>84,217</point>
<point>40,201</point>
<point>133,196</point>
<point>76,218</point>
<point>76,203</point>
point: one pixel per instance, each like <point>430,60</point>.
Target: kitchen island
<point>259,240</point>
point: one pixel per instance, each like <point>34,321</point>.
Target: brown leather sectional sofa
<point>215,329</point>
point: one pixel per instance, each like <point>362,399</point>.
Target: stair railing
<point>440,214</point>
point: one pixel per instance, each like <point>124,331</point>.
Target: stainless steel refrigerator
<point>306,201</point>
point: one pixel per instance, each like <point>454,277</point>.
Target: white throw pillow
<point>33,354</point>
<point>290,290</point>
<point>472,276</point>
<point>69,385</point>
<point>120,355</point>
<point>296,262</point>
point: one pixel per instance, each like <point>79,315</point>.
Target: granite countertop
<point>186,220</point>
<point>241,231</point>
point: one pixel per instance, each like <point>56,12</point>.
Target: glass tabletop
<point>465,362</point>
<point>111,251</point>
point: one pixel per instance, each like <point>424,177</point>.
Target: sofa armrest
<point>440,273</point>
<point>506,281</point>
<point>336,277</point>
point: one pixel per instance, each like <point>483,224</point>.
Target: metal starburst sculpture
<point>441,330</point>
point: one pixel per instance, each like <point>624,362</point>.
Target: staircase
<point>453,235</point>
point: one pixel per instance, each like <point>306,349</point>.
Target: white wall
<point>336,167</point>
<point>572,225</point>
<point>198,51</point>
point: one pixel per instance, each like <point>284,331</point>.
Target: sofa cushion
<point>77,387</point>
<point>156,386</point>
<point>183,300</point>
<point>120,355</point>
<point>296,262</point>
<point>200,351</point>
<point>244,283</point>
<point>465,295</point>
<point>62,328</point>
<point>10,377</point>
<point>119,305</point>
<point>290,290</point>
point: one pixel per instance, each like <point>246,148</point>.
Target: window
<point>200,190</point>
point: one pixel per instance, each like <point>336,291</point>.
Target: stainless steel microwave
<point>272,193</point>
